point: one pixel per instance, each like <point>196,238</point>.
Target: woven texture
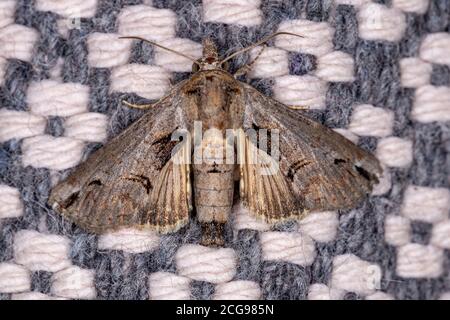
<point>376,71</point>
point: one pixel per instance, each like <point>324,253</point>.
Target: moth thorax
<point>213,147</point>
<point>210,54</point>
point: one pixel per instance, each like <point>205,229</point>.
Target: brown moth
<point>144,178</point>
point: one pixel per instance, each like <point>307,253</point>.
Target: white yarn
<point>10,203</point>
<point>168,286</point>
<point>292,247</point>
<point>64,26</point>
<point>56,71</point>
<point>435,48</point>
<point>74,283</point>
<point>350,273</point>
<point>426,204</point>
<point>384,182</point>
<point>414,72</point>
<point>129,240</point>
<point>379,295</point>
<point>32,295</point>
<point>272,62</point>
<point>336,66</point>
<point>106,50</point>
<point>89,126</point>
<point>201,263</point>
<point>69,9</point>
<point>347,134</point>
<point>38,251</point>
<point>17,42</point>
<point>415,6</point>
<point>174,62</point>
<point>150,82</point>
<point>431,104</point>
<point>301,91</point>
<point>246,13</point>
<point>50,152</point>
<point>237,290</point>
<point>419,261</point>
<point>397,230</point>
<point>321,226</point>
<point>52,98</point>
<point>378,22</point>
<point>395,152</point>
<point>244,219</point>
<point>356,3</point>
<point>320,291</point>
<point>440,235</point>
<point>14,278</point>
<point>445,296</point>
<point>20,124</point>
<point>368,120</point>
<point>7,9</point>
<point>317,37</point>
<point>147,22</point>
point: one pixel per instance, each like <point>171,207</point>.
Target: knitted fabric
<point>376,71</point>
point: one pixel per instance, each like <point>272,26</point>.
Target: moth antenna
<point>258,44</point>
<point>162,47</point>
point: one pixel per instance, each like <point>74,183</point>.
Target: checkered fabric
<point>375,71</point>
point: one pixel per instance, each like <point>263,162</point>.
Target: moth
<point>147,179</point>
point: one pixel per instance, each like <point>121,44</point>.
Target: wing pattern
<point>322,169</point>
<point>132,180</point>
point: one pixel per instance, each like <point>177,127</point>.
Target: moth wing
<point>132,180</point>
<point>263,188</point>
<point>322,169</point>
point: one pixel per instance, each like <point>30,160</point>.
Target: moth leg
<point>298,107</point>
<point>248,67</point>
<point>138,106</point>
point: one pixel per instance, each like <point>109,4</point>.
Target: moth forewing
<point>265,189</point>
<point>320,165</point>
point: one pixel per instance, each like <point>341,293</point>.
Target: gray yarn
<point>120,275</point>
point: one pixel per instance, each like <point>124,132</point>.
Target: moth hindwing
<point>144,178</point>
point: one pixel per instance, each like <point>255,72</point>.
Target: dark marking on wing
<point>338,161</point>
<point>145,181</point>
<point>95,183</point>
<point>163,150</point>
<point>367,175</point>
<point>97,197</point>
<point>71,199</point>
<point>267,148</point>
<point>324,168</point>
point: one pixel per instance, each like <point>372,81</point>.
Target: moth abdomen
<point>213,191</point>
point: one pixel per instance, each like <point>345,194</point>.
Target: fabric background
<point>377,71</point>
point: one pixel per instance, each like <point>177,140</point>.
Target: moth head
<point>210,54</point>
<point>210,57</point>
